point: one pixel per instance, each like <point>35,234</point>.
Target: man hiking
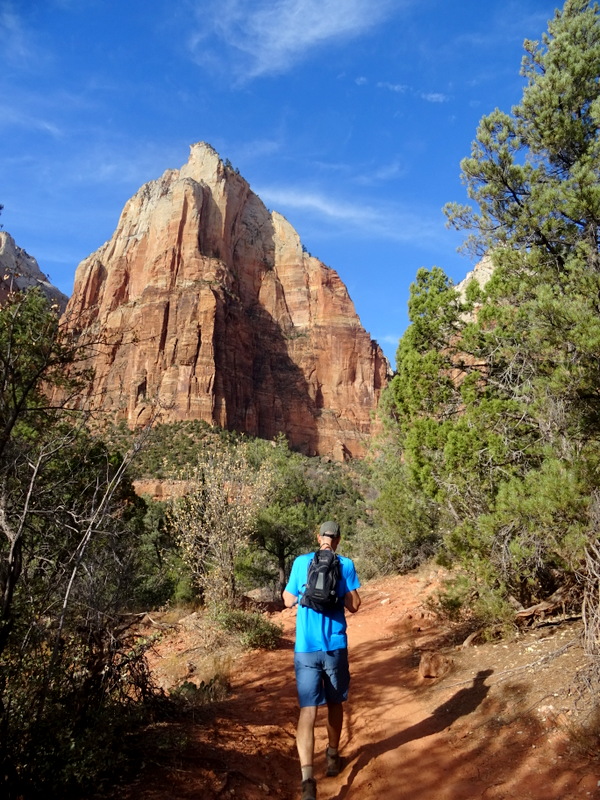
<point>321,649</point>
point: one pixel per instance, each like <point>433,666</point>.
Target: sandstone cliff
<point>211,307</point>
<point>19,270</point>
<point>481,273</point>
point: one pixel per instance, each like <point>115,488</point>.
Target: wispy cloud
<point>403,88</point>
<point>11,116</point>
<point>120,163</point>
<point>55,112</point>
<point>255,149</point>
<point>386,221</point>
<point>511,23</point>
<point>270,36</point>
<point>382,173</point>
<point>312,201</point>
<point>393,87</point>
<point>364,173</point>
<point>14,41</point>
<point>435,97</point>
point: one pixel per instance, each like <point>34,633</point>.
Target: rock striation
<point>210,306</point>
<point>19,271</point>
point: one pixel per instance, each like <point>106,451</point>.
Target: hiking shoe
<point>309,789</point>
<point>334,764</point>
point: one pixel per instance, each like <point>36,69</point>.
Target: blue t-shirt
<point>314,630</point>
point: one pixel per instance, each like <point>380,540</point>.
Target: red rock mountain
<point>19,271</point>
<point>211,306</point>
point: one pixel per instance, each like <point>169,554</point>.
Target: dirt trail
<point>494,727</point>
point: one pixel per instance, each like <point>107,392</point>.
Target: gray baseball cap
<point>329,528</point>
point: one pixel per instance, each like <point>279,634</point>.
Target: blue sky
<point>350,117</point>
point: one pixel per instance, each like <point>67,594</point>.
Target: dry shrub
<point>213,522</point>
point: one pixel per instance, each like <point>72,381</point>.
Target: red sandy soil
<point>498,724</point>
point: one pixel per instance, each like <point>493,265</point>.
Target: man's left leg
<point>335,720</point>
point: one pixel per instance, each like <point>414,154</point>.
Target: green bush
<point>160,576</point>
<point>256,632</point>
<point>79,746</point>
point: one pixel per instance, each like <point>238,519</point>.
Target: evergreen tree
<point>498,411</point>
<point>534,175</point>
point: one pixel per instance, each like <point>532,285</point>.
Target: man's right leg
<point>337,681</point>
<point>310,695</point>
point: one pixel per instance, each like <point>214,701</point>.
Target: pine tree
<point>534,176</point>
<point>498,413</point>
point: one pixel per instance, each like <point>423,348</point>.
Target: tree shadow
<point>247,740</point>
<point>462,703</point>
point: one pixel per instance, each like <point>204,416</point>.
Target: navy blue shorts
<point>322,677</point>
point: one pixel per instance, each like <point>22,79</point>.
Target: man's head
<point>329,534</point>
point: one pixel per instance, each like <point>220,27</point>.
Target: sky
<point>349,117</point>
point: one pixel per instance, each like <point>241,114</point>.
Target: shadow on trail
<point>462,703</point>
<point>232,747</point>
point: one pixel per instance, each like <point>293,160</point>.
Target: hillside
<point>497,725</point>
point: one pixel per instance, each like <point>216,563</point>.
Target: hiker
<point>321,649</point>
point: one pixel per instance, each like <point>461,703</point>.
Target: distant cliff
<point>210,306</point>
<point>19,270</point>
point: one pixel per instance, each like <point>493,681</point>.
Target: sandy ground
<point>498,723</point>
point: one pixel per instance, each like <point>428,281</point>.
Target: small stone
<point>434,665</point>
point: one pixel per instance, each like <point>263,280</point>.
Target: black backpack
<point>322,583</point>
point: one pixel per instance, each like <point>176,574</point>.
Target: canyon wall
<point>19,271</point>
<point>206,303</point>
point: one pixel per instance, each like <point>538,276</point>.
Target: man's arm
<point>289,599</point>
<point>352,601</point>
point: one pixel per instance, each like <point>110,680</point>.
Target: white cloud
<point>386,221</point>
<point>271,36</point>
<point>364,173</point>
<point>402,88</point>
<point>393,87</point>
<point>120,163</point>
<point>381,174</point>
<point>388,171</point>
<point>435,97</point>
<point>56,112</point>
<point>14,41</point>
<point>511,23</point>
<point>11,116</point>
<point>255,149</point>
<point>311,201</point>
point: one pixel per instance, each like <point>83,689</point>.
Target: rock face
<point>19,270</point>
<point>481,272</point>
<point>211,307</point>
